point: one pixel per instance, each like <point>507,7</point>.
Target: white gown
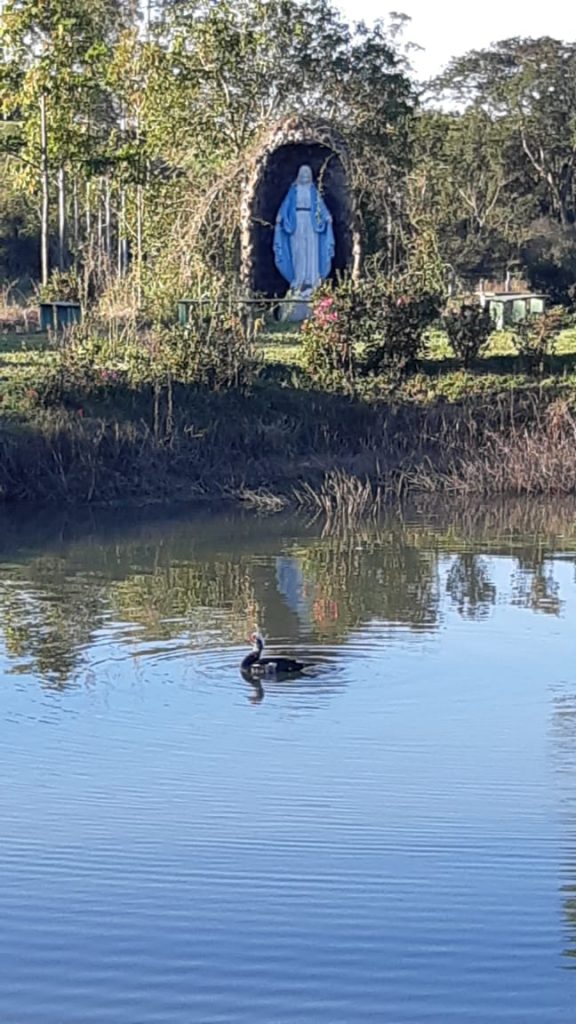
<point>305,244</point>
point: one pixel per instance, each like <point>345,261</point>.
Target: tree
<point>224,72</point>
<point>153,123</point>
<point>531,83</point>
<point>51,85</point>
<point>471,186</point>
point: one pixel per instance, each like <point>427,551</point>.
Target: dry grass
<point>483,454</point>
<point>341,497</point>
<point>18,314</point>
<point>262,501</point>
<point>538,458</point>
<point>273,446</point>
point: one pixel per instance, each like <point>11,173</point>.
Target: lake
<point>390,837</point>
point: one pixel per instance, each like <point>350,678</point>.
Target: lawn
<point>440,375</point>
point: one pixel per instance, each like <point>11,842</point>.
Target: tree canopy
<point>124,137</point>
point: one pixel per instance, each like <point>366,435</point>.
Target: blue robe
<point>286,226</point>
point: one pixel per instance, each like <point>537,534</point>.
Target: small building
<point>509,308</point>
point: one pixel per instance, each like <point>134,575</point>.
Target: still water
<point>390,838</point>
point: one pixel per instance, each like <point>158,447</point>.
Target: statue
<point>303,237</point>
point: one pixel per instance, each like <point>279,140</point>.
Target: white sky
<point>447,28</point>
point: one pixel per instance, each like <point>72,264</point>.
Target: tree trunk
<point>139,219</point>
<point>122,240</point>
<point>100,224</point>
<point>45,209</point>
<point>76,219</point>
<point>107,220</point>
<point>62,222</point>
<point>88,212</point>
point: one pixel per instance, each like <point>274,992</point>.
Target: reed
<point>269,447</point>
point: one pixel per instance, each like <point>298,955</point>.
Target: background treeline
<point>126,131</point>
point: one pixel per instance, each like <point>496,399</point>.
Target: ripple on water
<point>389,837</point>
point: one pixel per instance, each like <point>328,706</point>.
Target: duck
<point>255,665</point>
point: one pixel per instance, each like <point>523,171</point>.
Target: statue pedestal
<point>298,307</point>
<point>297,311</point>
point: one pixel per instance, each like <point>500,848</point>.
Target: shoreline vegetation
<point>183,416</point>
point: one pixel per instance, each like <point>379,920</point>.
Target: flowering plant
<point>327,350</point>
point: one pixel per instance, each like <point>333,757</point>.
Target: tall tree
<point>54,55</point>
<point>532,84</point>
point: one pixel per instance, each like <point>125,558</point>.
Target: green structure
<point>56,316</point>
<point>509,308</point>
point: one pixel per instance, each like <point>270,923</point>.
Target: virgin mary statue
<point>303,237</point>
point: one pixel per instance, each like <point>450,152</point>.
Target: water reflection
<point>563,731</point>
<point>409,804</point>
<point>470,587</point>
<point>205,582</point>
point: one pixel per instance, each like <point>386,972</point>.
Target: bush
<point>536,336</point>
<point>468,328</point>
<point>549,260</point>
<point>399,329</point>
<point>63,286</point>
<point>328,336</point>
<point>366,327</point>
<point>212,352</point>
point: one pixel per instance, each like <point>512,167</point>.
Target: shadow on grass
<point>503,365</point>
<point>32,341</point>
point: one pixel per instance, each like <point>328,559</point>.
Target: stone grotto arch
<point>271,172</point>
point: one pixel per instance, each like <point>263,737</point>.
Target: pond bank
<point>275,445</point>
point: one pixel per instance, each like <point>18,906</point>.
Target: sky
<point>447,28</point>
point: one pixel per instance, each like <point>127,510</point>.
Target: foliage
<point>212,352</point>
<point>549,260</point>
<point>63,286</point>
<point>149,132</point>
<point>400,321</point>
<point>531,83</point>
<point>468,328</point>
<point>328,336</point>
<point>150,129</point>
<point>365,327</point>
<point>497,161</point>
<point>535,337</point>
<point>469,185</point>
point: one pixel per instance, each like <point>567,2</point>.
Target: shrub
<point>399,329</point>
<point>549,260</point>
<point>367,327</point>
<point>328,336</point>
<point>63,286</point>
<point>212,352</point>
<point>468,328</point>
<point>536,336</point>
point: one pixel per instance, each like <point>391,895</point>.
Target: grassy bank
<point>487,431</point>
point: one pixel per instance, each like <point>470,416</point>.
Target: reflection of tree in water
<point>193,598</point>
<point>206,581</point>
<point>564,753</point>
<point>470,587</point>
<point>355,578</point>
<point>533,585</point>
<point>48,617</point>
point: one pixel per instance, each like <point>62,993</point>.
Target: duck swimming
<point>255,665</point>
